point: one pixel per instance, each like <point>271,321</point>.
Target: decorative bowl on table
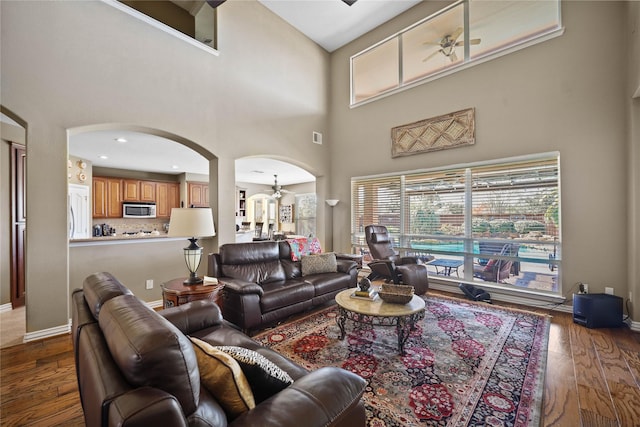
<point>396,294</point>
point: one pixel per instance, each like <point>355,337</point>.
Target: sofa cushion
<point>282,295</point>
<point>223,377</point>
<point>149,350</point>
<point>264,376</point>
<point>321,263</point>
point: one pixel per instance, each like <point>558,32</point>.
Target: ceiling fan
<point>448,44</point>
<point>277,189</point>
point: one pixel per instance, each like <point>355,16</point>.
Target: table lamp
<point>192,223</point>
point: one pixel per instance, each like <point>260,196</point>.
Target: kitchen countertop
<point>122,238</point>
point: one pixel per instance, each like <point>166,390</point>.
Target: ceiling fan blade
<point>432,55</point>
<point>453,57</point>
<point>474,41</point>
<point>456,33</point>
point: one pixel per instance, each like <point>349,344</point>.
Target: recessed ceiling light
<point>121,139</point>
<point>174,167</point>
<point>103,157</point>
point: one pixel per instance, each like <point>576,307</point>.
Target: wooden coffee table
<point>380,313</point>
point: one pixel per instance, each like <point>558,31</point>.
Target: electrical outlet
<point>149,283</point>
<point>608,290</point>
<point>585,288</point>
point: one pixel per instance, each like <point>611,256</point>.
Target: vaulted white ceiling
<point>333,23</point>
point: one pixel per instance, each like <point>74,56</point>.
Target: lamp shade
<point>332,202</point>
<point>191,222</point>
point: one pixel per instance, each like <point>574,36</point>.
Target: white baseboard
<point>634,326</point>
<point>155,304</point>
<point>6,307</point>
<point>47,333</point>
<point>65,329</point>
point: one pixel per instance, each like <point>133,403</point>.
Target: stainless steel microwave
<point>138,210</point>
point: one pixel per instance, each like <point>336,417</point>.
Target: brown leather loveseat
<point>262,284</point>
<point>139,367</point>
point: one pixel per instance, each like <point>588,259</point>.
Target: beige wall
<point>567,94</point>
<point>91,64</point>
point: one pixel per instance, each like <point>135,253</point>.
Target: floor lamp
<point>332,203</point>
<point>192,223</point>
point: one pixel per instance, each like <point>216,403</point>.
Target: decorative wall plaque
<point>437,133</point>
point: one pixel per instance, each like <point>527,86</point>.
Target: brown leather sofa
<point>262,285</point>
<point>137,367</point>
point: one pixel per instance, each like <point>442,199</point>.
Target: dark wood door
<point>19,220</point>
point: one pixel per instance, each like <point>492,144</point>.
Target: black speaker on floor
<point>597,310</point>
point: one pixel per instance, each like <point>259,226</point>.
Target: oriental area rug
<point>465,364</point>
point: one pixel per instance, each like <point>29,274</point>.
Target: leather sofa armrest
<point>193,316</point>
<point>242,287</point>
<point>146,406</point>
<point>320,398</point>
<point>385,263</point>
<point>345,266</point>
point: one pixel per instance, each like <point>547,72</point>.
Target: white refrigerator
<point>79,212</point>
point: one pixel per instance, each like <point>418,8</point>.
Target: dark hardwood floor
<point>592,379</point>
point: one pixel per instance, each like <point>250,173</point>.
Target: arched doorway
<point>145,156</point>
<point>271,190</point>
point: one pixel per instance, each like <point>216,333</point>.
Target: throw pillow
<point>298,248</point>
<point>223,377</point>
<point>264,376</point>
<point>314,246</point>
<point>303,246</point>
<point>320,263</point>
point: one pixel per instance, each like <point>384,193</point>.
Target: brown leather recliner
<point>389,265</point>
<point>136,367</point>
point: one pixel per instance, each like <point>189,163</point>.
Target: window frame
<point>467,61</point>
<point>411,184</point>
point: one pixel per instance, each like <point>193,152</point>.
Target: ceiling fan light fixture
<point>276,188</point>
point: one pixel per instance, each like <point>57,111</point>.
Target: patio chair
<point>495,269</point>
<point>497,248</point>
<point>387,263</point>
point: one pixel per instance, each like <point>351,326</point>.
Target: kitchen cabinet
<point>107,197</point>
<point>198,194</point>
<point>134,190</point>
<point>167,198</point>
<point>147,191</point>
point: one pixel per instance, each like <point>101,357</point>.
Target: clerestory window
<point>496,222</point>
<point>460,35</point>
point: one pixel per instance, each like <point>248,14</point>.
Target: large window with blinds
<point>493,222</point>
